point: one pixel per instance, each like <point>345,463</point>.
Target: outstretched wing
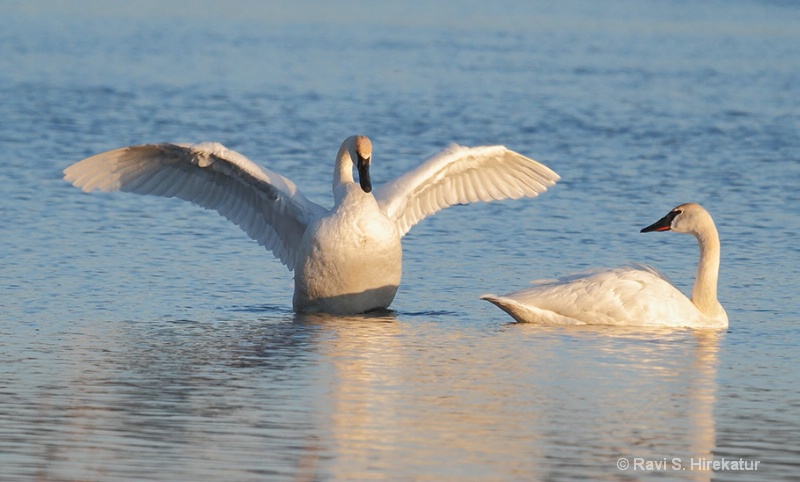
<point>461,175</point>
<point>266,205</point>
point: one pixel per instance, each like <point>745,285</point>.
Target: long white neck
<point>704,294</point>
<point>343,171</point>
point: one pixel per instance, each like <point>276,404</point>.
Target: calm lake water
<point>148,339</point>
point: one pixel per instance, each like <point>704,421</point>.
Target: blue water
<point>145,338</point>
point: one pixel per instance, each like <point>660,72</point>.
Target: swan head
<point>363,155</point>
<point>685,218</point>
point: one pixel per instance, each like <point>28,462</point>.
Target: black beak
<point>663,224</point>
<point>363,174</point>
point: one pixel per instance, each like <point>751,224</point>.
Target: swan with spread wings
<point>346,259</point>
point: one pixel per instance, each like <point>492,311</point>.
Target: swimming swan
<point>347,259</point>
<point>636,296</point>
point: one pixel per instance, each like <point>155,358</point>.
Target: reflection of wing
<point>460,175</point>
<point>266,205</point>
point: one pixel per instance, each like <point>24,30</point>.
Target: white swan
<point>636,296</point>
<point>347,259</point>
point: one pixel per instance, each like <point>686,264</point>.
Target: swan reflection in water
<point>410,397</point>
<point>319,397</point>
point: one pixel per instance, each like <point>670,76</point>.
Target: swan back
<point>637,295</point>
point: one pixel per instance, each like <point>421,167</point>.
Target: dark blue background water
<point>147,338</point>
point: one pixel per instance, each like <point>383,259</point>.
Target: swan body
<point>346,259</point>
<point>631,296</point>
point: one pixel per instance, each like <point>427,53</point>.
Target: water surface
<point>149,339</point>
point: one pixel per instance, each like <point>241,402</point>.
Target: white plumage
<point>347,259</point>
<point>635,296</point>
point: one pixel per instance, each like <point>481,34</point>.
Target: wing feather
<point>460,175</point>
<point>266,205</point>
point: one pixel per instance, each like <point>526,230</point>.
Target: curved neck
<point>704,294</point>
<point>342,171</point>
